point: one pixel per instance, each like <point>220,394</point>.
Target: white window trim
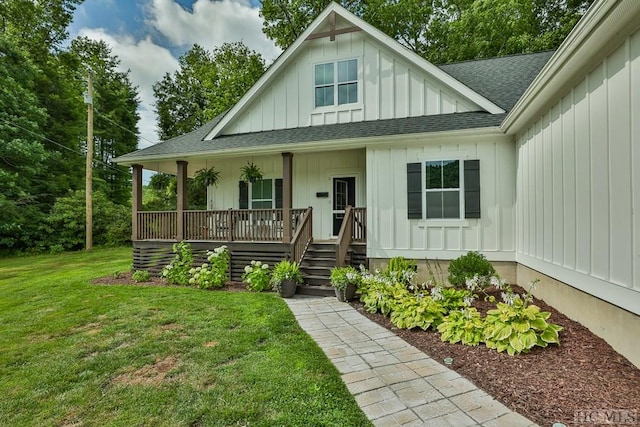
<point>335,85</point>
<point>444,221</point>
<point>273,194</point>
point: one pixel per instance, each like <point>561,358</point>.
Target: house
<point>368,148</point>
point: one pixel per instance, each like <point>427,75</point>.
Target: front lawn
<point>72,353</point>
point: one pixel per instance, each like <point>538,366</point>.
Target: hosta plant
<point>451,298</point>
<point>465,325</point>
<point>516,326</point>
<point>416,311</point>
<point>379,293</point>
<point>257,276</point>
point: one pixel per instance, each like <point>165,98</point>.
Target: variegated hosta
<point>464,325</point>
<point>517,328</point>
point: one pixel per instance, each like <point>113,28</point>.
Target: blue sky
<point>149,35</point>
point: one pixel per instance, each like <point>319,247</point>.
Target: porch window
<point>264,194</point>
<point>336,80</point>
<point>443,189</point>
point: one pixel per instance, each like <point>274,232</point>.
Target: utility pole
<point>88,99</point>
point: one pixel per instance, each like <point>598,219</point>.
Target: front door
<point>344,194</point>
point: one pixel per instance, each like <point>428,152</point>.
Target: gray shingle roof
<point>501,80</point>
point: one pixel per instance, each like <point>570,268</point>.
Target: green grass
<point>72,353</point>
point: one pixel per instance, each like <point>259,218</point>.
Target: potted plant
<point>345,282</point>
<point>250,173</point>
<point>285,278</point>
<point>206,177</point>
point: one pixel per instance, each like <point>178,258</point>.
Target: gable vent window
<point>442,189</point>
<point>336,81</point>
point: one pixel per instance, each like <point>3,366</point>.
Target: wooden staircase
<point>318,261</point>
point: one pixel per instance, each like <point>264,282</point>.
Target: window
<point>443,189</point>
<point>264,194</point>
<point>336,80</point>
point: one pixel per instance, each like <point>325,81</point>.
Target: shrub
<point>177,272</point>
<point>257,276</point>
<point>141,276</point>
<point>467,266</point>
<point>213,274</point>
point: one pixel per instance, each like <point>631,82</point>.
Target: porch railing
<point>302,237</point>
<point>222,225</point>
<point>353,229</point>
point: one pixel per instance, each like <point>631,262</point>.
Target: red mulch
<point>547,385</point>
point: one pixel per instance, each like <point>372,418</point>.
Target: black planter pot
<point>347,294</point>
<point>288,288</point>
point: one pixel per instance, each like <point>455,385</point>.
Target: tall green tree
<point>115,103</point>
<point>22,154</point>
<point>442,30</point>
<point>207,84</point>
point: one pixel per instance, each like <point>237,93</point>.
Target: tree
<point>22,153</point>
<point>115,102</point>
<point>207,84</point>
<point>442,30</point>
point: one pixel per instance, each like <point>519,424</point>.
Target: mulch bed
<point>549,385</point>
<point>556,384</point>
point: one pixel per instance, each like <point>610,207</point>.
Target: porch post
<point>181,203</point>
<point>136,199</point>
<point>287,195</point>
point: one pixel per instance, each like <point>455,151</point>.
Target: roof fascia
<point>337,144</point>
<point>385,40</point>
<point>598,29</point>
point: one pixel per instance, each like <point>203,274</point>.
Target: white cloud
<point>148,63</point>
<point>211,24</point>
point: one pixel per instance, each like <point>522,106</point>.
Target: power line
<point>62,146</point>
<point>122,127</point>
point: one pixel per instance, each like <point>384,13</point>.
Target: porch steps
<point>318,262</point>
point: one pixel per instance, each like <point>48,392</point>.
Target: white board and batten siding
<point>388,87</point>
<point>312,173</point>
<point>391,233</point>
<point>578,181</point>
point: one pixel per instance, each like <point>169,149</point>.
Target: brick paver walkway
<point>393,382</point>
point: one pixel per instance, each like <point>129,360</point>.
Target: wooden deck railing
<point>359,230</point>
<point>302,236</point>
<point>344,237</point>
<point>220,225</point>
<point>157,225</point>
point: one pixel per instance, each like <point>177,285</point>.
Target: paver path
<point>393,382</point>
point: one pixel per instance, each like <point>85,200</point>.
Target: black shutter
<point>244,195</point>
<point>472,188</point>
<point>278,193</point>
<point>414,190</point>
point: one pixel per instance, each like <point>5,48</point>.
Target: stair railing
<point>302,237</point>
<point>344,237</point>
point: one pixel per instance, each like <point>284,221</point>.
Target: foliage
<point>177,272</point>
<point>467,266</point>
<point>379,293</point>
<point>206,177</point>
<point>442,30</point>
<point>285,270</point>
<point>516,326</point>
<point>402,270</point>
<point>416,310</point>
<point>451,299</point>
<point>141,276</point>
<point>257,276</point>
<point>213,274</point>
<point>250,173</point>
<point>341,277</point>
<point>464,325</point>
<point>66,224</point>
<point>63,338</point>
<point>481,283</point>
<point>205,85</point>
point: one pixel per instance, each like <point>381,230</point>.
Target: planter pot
<point>347,294</point>
<point>288,288</point>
